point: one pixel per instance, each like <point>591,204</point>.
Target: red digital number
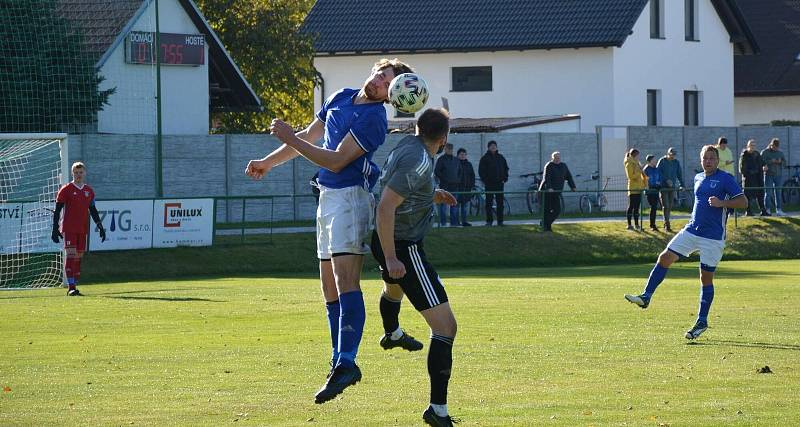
<point>141,53</point>
<point>178,54</point>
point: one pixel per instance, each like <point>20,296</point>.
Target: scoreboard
<point>176,49</point>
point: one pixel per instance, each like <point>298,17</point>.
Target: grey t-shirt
<point>408,171</point>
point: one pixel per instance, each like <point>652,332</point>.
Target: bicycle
<point>791,187</point>
<point>597,201</point>
<point>532,197</point>
<point>477,203</point>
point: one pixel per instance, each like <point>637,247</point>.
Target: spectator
<point>752,178</point>
<point>653,188</point>
<point>725,156</point>
<point>466,182</point>
<point>671,179</point>
<point>637,181</point>
<point>553,177</point>
<point>773,161</point>
<point>493,170</point>
<point>447,172</point>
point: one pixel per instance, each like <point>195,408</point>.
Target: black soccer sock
<point>440,362</point>
<point>390,314</point>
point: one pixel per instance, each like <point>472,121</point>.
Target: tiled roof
<point>457,25</point>
<point>101,20</point>
<point>776,70</point>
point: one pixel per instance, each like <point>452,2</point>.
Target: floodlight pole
<point>159,164</point>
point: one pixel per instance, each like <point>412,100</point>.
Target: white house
<point>612,62</point>
<point>197,74</point>
<point>767,85</point>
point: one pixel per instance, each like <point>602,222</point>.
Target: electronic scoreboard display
<point>176,49</point>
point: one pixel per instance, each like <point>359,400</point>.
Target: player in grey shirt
<point>404,215</point>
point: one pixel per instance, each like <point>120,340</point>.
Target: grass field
<point>535,347</point>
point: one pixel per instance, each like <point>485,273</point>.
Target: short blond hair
<point>78,165</point>
<point>399,67</point>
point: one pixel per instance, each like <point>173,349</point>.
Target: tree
<point>277,60</point>
<point>48,81</point>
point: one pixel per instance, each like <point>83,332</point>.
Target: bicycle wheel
<point>602,202</point>
<point>532,199</point>
<point>475,205</point>
<point>791,192</point>
<point>585,204</point>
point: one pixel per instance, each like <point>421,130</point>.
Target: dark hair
<point>650,157</point>
<point>448,145</point>
<point>775,142</point>
<point>395,64</point>
<point>433,124</point>
<point>492,142</point>
<point>632,152</point>
<point>722,140</point>
<point>461,150</point>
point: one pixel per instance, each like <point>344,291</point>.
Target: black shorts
<point>421,284</point>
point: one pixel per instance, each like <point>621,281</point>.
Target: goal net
<point>32,168</point>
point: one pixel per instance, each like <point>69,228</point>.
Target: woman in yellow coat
<point>637,182</point>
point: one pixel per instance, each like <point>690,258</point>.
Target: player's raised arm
<point>347,151</point>
<point>256,169</point>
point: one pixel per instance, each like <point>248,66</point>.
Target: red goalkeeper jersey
<point>76,207</point>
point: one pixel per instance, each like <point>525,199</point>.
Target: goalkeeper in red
<point>76,199</point>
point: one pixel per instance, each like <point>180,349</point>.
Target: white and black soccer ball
<point>408,93</point>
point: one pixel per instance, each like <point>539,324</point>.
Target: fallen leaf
<point>7,389</point>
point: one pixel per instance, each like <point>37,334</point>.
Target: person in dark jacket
<point>493,170</point>
<point>466,182</point>
<point>447,172</point>
<point>553,177</point>
<point>750,165</point>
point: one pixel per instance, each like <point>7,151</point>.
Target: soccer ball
<point>408,93</point>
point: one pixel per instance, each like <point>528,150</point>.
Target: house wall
<point>752,110</point>
<point>527,83</point>
<point>185,97</point>
<point>674,65</point>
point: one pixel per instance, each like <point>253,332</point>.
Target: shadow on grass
<point>730,343</point>
<point>170,299</point>
<point>143,291</point>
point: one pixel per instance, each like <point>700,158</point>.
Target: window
<point>691,108</point>
<point>652,107</point>
<point>471,79</point>
<point>691,20</point>
<point>656,19</point>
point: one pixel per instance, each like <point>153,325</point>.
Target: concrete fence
<point>123,166</point>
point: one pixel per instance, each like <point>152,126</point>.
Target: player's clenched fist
<point>256,169</point>
<point>395,268</point>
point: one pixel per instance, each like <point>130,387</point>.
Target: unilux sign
<point>173,214</point>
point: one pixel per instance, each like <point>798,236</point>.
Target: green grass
<point>449,248</point>
<point>555,346</point>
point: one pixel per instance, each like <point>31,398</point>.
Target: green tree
<point>48,82</point>
<point>263,39</point>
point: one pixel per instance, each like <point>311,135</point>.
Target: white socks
<point>396,335</point>
<point>441,410</point>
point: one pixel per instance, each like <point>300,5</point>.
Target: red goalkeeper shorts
<point>75,241</point>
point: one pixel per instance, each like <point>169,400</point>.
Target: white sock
<point>396,335</point>
<point>441,410</point>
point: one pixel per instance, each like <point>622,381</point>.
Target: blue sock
<point>657,275</point>
<point>351,326</point>
<point>706,298</point>
<point>334,311</point>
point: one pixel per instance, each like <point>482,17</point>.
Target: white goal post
<point>32,168</point>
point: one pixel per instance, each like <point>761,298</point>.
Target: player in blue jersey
<point>714,192</point>
<point>352,125</point>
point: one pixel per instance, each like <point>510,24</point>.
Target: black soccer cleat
<point>431,419</point>
<point>406,342</point>
<point>74,293</point>
<point>341,378</point>
<point>639,300</point>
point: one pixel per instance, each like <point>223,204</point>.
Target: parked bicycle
<point>478,202</point>
<point>532,196</point>
<point>791,187</point>
<point>596,201</point>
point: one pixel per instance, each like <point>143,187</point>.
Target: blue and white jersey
<point>366,123</point>
<point>708,221</point>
